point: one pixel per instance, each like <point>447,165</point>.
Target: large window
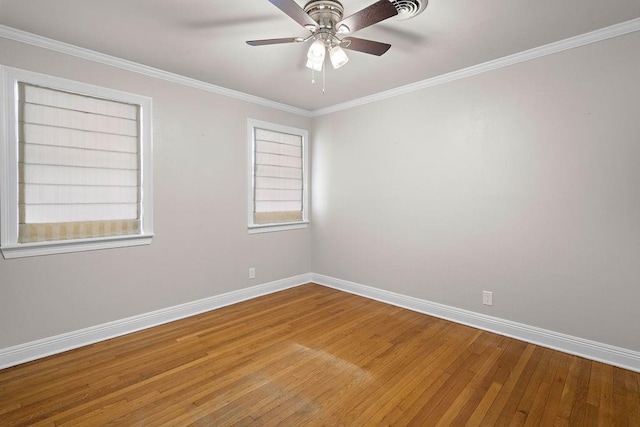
<point>77,166</point>
<point>278,179</point>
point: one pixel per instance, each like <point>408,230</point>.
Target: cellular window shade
<point>79,166</point>
<point>277,177</point>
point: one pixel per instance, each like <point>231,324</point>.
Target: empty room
<point>294,212</point>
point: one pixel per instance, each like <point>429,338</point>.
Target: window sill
<point>68,246</point>
<point>268,228</point>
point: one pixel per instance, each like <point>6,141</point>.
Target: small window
<point>278,177</point>
<point>77,173</point>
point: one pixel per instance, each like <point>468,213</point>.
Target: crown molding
<point>80,52</point>
<point>527,55</point>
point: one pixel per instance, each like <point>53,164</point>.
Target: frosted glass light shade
<point>315,55</point>
<point>316,66</point>
<point>338,57</point>
<point>316,51</point>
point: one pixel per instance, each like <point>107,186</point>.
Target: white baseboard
<point>605,353</point>
<point>592,350</point>
<point>57,344</point>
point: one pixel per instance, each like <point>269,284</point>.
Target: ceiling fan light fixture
<point>338,57</point>
<point>315,66</point>
<point>316,55</point>
<point>316,51</point>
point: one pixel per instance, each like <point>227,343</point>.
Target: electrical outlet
<point>252,273</point>
<point>487,298</point>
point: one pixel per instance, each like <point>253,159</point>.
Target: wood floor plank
<point>524,379</point>
<point>570,391</point>
<point>632,394</point>
<point>396,384</point>
<point>455,413</point>
<point>419,374</point>
<point>419,383</point>
<point>537,406</point>
<point>482,409</point>
<point>529,389</point>
<point>557,387</point>
<point>542,395</point>
<point>605,412</point>
<point>366,400</point>
<point>595,384</point>
<point>620,409</point>
<point>523,354</point>
<point>580,407</point>
<point>311,355</point>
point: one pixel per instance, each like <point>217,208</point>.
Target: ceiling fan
<point>330,31</point>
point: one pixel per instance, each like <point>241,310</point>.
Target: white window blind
<point>278,177</point>
<point>79,166</point>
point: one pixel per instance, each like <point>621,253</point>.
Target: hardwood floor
<point>315,356</point>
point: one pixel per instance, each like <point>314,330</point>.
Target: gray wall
<point>201,246</point>
<point>522,181</point>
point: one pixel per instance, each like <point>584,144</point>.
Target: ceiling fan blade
<point>366,46</point>
<point>295,12</point>
<point>378,11</point>
<point>274,41</point>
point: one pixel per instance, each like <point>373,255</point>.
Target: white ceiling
<point>205,39</point>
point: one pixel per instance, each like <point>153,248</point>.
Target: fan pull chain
<point>324,81</point>
<point>313,76</point>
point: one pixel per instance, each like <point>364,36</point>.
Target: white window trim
<point>267,228</point>
<point>9,79</point>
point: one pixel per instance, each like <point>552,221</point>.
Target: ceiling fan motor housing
<point>325,12</point>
